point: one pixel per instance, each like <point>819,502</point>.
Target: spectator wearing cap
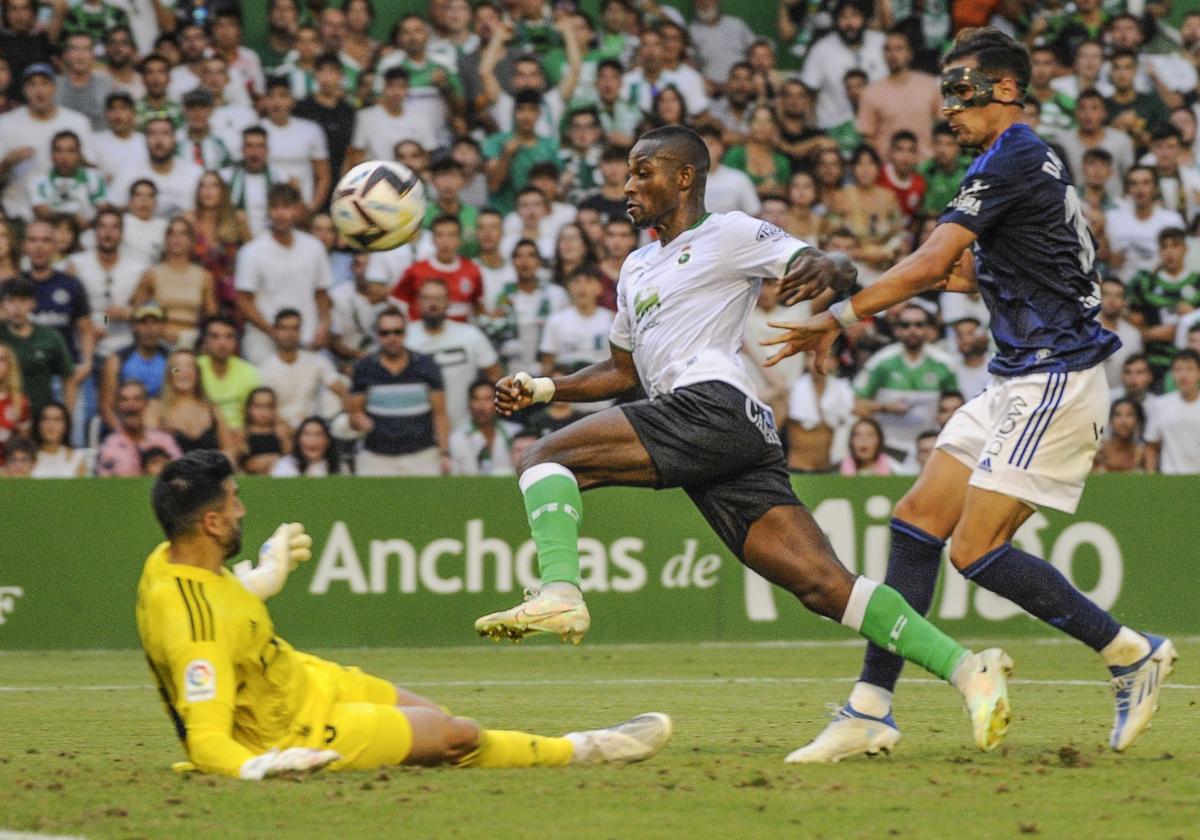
<point>326,106</point>
<point>119,147</point>
<point>353,309</point>
<point>175,177</point>
<point>121,451</point>
<point>435,92</point>
<point>41,352</point>
<point>850,46</point>
<point>283,268</point>
<point>70,188</point>
<point>25,135</point>
<point>379,128</point>
<point>298,149</point>
<point>719,39</point>
<point>511,154</point>
<point>155,72</point>
<point>143,359</point>
<point>80,87</point>
<point>529,78</point>
<point>904,100</point>
<point>196,140</point>
<point>22,42</point>
<point>120,61</point>
<point>110,276</point>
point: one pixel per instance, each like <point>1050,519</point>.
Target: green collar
<point>699,221</point>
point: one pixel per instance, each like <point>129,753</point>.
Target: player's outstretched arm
<point>923,269</point>
<point>602,381</point>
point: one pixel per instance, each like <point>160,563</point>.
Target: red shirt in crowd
<point>462,279</point>
<point>909,193</point>
<point>13,415</point>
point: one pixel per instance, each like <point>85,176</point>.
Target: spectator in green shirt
<point>449,180</point>
<point>41,352</point>
<point>758,156</point>
<point>227,378</point>
<point>511,154</point>
<point>944,171</point>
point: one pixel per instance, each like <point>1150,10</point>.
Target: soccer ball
<point>379,205</point>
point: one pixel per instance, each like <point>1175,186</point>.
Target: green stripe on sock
<point>555,510</point>
<point>895,626</point>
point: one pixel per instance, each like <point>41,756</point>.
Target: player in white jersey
<point>682,308</point>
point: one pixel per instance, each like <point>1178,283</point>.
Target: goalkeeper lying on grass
<point>247,704</point>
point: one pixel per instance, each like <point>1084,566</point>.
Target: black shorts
<point>721,447</point>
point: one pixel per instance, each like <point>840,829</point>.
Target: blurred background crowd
<point>170,278</point>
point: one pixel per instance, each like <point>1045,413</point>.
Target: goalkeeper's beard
<point>232,544</point>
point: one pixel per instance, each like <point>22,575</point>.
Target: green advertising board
<point>415,561</point>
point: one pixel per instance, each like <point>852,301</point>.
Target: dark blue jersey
<point>1033,258</point>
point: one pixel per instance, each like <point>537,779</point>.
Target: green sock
<point>555,510</point>
<point>881,615</point>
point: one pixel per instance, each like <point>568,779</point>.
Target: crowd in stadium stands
<point>171,279</point>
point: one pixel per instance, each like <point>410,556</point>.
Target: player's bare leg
<point>598,450</point>
<point>407,698</point>
<point>788,548</point>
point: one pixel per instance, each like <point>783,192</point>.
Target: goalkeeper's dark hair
<point>682,142</point>
<point>998,55</point>
<point>187,488</point>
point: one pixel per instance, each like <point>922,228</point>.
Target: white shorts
<point>1032,437</point>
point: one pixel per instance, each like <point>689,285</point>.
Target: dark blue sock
<point>912,571</point>
<point>1038,588</point>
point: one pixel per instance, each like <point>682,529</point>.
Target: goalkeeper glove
<point>293,759</point>
<point>287,548</point>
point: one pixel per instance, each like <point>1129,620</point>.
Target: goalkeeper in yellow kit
<point>245,703</point>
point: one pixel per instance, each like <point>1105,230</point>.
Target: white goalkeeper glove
<point>293,759</point>
<point>540,390</point>
<point>287,548</point>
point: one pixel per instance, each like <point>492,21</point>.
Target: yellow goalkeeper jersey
<point>232,687</point>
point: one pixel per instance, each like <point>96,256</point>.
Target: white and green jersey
<point>682,307</point>
<point>889,377</point>
<point>78,194</point>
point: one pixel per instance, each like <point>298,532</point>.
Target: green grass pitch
<point>85,749</point>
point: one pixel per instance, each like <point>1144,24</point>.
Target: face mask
<point>966,87</point>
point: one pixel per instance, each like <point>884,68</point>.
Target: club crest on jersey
<point>686,255</point>
<point>199,681</point>
<point>968,201</point>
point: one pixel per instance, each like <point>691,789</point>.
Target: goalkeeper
<point>247,704</point>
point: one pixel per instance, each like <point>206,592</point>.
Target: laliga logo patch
<point>200,681</point>
<point>767,231</point>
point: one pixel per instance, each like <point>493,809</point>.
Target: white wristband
<point>541,389</point>
<point>843,311</point>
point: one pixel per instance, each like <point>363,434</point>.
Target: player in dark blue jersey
<point>1015,231</point>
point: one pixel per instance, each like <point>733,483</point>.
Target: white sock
<point>564,590</point>
<point>961,672</point>
<point>870,699</point>
<point>856,604</point>
<point>1127,648</point>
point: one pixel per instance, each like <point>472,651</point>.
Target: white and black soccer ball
<point>379,205</point>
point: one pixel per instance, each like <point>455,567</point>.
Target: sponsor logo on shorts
<point>764,420</point>
<point>199,681</point>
